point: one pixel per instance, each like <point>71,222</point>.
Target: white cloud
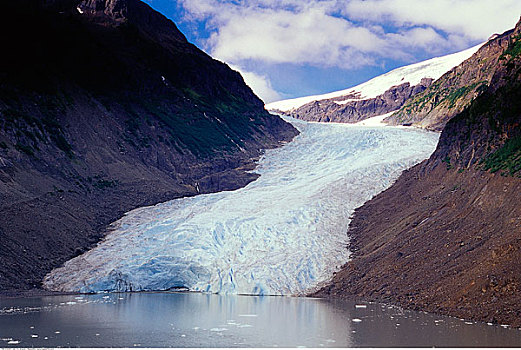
<point>349,34</point>
<point>473,19</point>
<point>285,37</point>
<point>260,84</point>
<point>286,32</point>
<point>323,32</point>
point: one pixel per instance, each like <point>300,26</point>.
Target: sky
<point>293,48</point>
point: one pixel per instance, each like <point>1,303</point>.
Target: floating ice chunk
<point>356,320</point>
<point>13,342</point>
<point>34,335</point>
<point>218,329</point>
<point>248,315</point>
<point>360,306</point>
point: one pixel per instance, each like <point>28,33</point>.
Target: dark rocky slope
<point>358,109</point>
<point>104,107</point>
<point>446,237</point>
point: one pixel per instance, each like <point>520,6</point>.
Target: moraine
<point>283,234</point>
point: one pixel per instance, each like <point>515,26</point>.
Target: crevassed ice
<point>283,234</point>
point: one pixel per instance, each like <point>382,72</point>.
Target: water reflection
<point>199,320</point>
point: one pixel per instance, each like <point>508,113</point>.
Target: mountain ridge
<point>380,95</point>
<point>452,92</point>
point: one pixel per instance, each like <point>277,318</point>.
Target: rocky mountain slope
<point>104,107</point>
<point>454,91</point>
<point>446,237</point>
<point>378,96</point>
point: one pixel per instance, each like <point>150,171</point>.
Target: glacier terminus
<point>283,234</point>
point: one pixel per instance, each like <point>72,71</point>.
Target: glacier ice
<point>283,234</point>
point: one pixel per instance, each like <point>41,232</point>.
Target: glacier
<point>282,234</point>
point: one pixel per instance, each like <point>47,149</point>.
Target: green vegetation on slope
<point>507,158</point>
<point>513,50</point>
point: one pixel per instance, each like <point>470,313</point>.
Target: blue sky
<point>292,48</point>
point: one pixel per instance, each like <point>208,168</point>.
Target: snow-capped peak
<point>414,73</point>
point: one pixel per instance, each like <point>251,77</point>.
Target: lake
<point>209,320</point>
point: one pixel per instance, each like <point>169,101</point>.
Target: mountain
<point>381,95</point>
<point>105,107</point>
<point>445,237</point>
<point>450,94</point>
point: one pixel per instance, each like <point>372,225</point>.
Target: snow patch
<point>375,121</point>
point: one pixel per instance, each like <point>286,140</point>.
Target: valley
<point>137,168</point>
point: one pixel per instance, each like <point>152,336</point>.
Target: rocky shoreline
<point>430,258</point>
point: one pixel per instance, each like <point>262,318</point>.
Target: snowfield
<point>283,234</point>
<point>414,73</point>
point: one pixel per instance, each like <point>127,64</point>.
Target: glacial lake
<point>209,320</point>
<point>283,234</point>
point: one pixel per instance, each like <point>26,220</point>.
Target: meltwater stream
<point>283,234</point>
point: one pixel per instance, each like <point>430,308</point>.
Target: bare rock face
<point>356,109</point>
<point>104,107</point>
<point>117,9</point>
<point>445,237</point>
